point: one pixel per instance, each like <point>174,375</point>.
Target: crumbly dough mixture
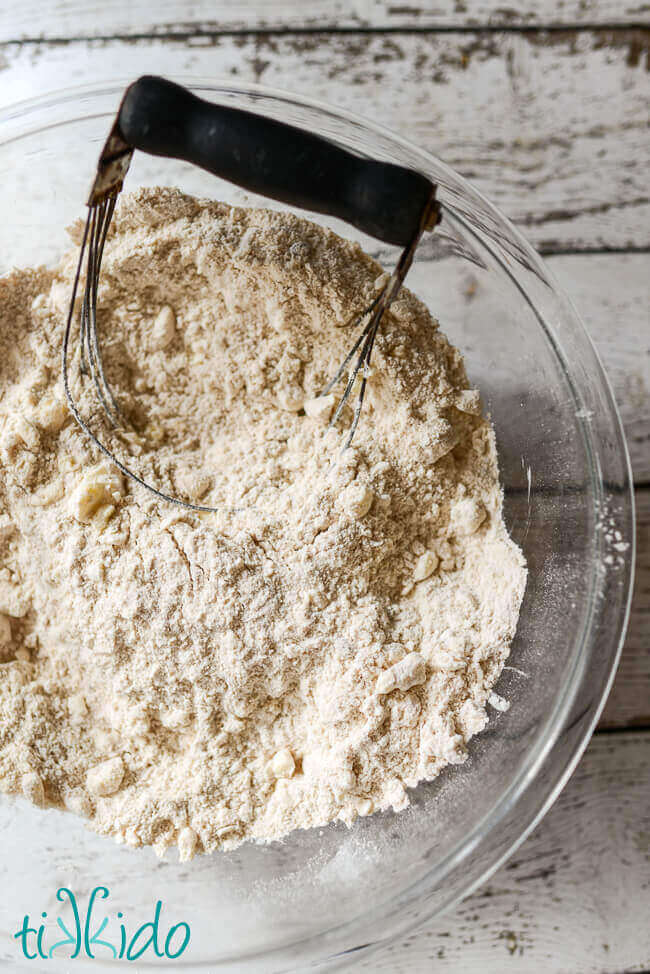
<point>320,645</point>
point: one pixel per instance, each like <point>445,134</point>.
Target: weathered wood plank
<point>628,704</point>
<point>74,18</point>
<point>573,900</point>
<point>519,114</point>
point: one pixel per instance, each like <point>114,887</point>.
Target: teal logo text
<point>92,933</point>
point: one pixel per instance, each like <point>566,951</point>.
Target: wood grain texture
<point>575,899</point>
<point>74,18</point>
<point>519,114</point>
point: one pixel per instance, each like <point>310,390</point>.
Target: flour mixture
<point>322,644</point>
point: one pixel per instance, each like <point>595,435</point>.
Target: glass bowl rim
<point>18,113</point>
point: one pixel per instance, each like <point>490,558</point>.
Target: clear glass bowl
<point>568,503</point>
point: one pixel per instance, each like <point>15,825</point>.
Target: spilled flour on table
<point>201,680</point>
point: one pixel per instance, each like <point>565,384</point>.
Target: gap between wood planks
<point>214,32</point>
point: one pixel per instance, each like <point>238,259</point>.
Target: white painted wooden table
<point>545,108</point>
